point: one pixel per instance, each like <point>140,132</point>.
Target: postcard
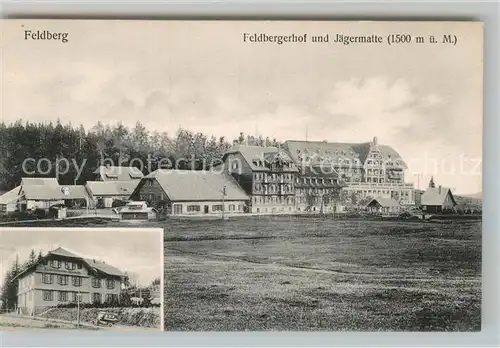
<point>308,175</point>
<point>81,279</point>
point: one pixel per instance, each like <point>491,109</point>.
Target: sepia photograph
<point>81,279</point>
<point>307,175</point>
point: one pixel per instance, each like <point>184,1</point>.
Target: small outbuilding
<point>383,206</point>
<point>437,200</point>
<point>137,211</point>
<point>104,193</point>
<point>8,201</point>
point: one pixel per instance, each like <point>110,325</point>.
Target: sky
<point>137,252</point>
<point>425,100</point>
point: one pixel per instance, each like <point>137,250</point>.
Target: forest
<point>116,144</point>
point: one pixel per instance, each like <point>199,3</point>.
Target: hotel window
<point>47,295</point>
<point>63,296</point>
<point>193,208</point>
<point>79,266</point>
<point>110,284</point>
<point>55,264</point>
<point>96,297</point>
<point>74,297</point>
<point>62,280</point>
<point>70,265</point>
<point>96,283</point>
<point>77,281</point>
<point>47,278</point>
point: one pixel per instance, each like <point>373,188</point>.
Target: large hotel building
<point>304,175</point>
<point>365,169</point>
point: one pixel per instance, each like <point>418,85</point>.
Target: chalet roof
<point>112,188</point>
<point>436,196</point>
<point>91,263</point>
<point>48,182</point>
<point>327,152</point>
<point>119,173</point>
<point>384,202</point>
<point>254,154</point>
<point>51,192</point>
<point>194,185</point>
<point>10,196</point>
<point>63,252</point>
<point>105,268</point>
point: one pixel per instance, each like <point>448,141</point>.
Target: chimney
<point>439,189</point>
<point>93,260</point>
<point>375,141</point>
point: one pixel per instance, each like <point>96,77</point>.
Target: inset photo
<point>81,278</point>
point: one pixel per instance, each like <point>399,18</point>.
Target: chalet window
<point>110,284</point>
<point>70,265</point>
<point>193,208</point>
<point>75,297</point>
<point>217,207</point>
<point>62,280</point>
<point>63,296</point>
<point>177,208</point>
<point>55,264</point>
<point>47,295</point>
<point>96,297</point>
<point>47,278</point>
<point>77,281</point>
<point>79,266</point>
<point>96,283</point>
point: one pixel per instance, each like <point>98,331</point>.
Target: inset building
<point>63,277</point>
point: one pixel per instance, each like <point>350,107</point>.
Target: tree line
<point>116,144</point>
<point>9,287</point>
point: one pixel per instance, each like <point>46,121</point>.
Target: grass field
<point>290,273</point>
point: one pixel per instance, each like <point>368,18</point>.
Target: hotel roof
<point>256,156</point>
<point>192,185</point>
<point>326,152</point>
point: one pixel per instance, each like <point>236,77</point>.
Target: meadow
<point>302,274</point>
